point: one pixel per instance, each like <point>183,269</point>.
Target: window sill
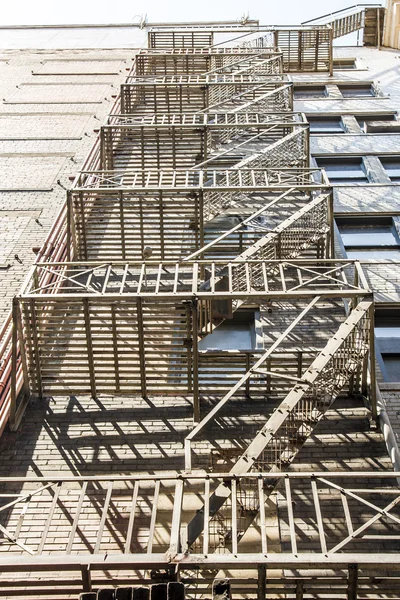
<point>390,386</point>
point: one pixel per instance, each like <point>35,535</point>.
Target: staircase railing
<point>346,20</point>
<point>292,423</point>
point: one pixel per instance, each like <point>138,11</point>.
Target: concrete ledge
<point>21,189</point>
<point>390,387</point>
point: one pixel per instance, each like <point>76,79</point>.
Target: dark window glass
<point>230,245</point>
<point>356,91</point>
<point>368,232</point>
<point>368,238</point>
<point>309,91</point>
<point>325,125</point>
<point>344,63</point>
<point>392,366</point>
<point>374,122</point>
<point>387,333</point>
<point>343,170</point>
<point>387,317</point>
<point>238,333</point>
<point>391,164</point>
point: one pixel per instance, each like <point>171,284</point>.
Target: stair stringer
<point>296,417</point>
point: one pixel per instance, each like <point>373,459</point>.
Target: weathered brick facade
<point>53,103</point>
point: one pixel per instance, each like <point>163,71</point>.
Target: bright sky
<point>269,12</point>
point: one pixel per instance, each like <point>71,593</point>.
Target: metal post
<point>102,149</point>
<point>195,352</point>
<point>299,49</point>
<point>25,371</point>
<point>262,582</point>
<point>331,245</point>
<point>70,241</point>
<point>372,366</point>
<point>142,356</point>
<point>86,578</point>
<point>13,407</point>
<point>162,235</point>
<point>356,284</point>
<point>316,49</point>
<point>307,144</point>
<point>89,346</point>
<point>378,26</point>
<point>352,583</point>
<point>38,366</point>
<point>115,347</point>
<point>300,590</point>
<point>83,227</point>
<point>122,225</point>
<point>175,543</point>
<point>199,201</point>
<point>247,369</point>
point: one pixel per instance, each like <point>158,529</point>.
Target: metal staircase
<point>285,432</point>
<point>198,199</point>
<point>369,17</point>
<point>167,170</point>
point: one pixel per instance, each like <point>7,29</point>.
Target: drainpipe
<point>388,433</point>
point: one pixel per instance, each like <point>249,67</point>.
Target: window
<point>344,63</point>
<point>378,123</point>
<point>309,91</point>
<point>219,224</point>
<point>373,253</point>
<point>234,243</point>
<point>241,332</point>
<point>347,170</point>
<point>387,334</point>
<point>391,164</point>
<point>325,124</point>
<point>392,366</point>
<point>368,231</point>
<point>357,91</point>
<point>367,238</point>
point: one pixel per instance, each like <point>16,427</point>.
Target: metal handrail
<point>341,11</point>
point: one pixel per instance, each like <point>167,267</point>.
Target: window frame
<point>378,175</point>
<point>349,62</point>
<point>390,157</point>
<point>393,222</point>
<point>366,119</point>
<point>316,118</point>
<point>360,85</point>
<point>350,159</point>
<point>388,121</point>
<point>311,87</point>
<point>386,312</point>
<point>250,314</point>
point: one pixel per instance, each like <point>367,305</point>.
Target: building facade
<point>201,376</point>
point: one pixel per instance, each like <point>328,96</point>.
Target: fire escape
<point>196,202</point>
